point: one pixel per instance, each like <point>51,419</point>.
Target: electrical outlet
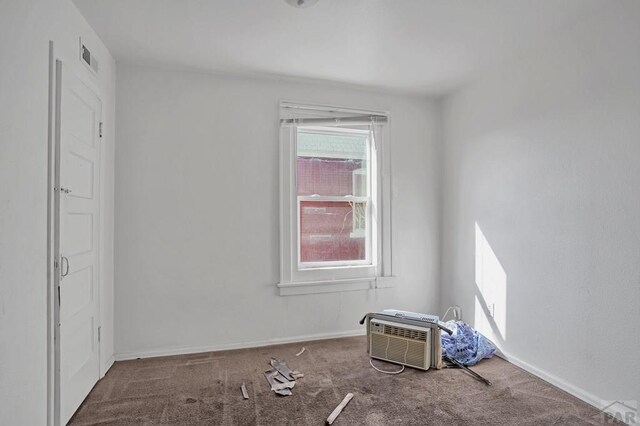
<point>491,307</point>
<point>457,313</point>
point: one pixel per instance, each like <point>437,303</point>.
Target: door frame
<point>53,230</point>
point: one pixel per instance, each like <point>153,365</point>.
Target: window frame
<point>374,272</point>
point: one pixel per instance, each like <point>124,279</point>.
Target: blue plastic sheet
<point>465,345</point>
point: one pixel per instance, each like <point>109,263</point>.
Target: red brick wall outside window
<point>326,228</point>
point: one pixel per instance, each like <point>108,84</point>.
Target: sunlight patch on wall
<point>491,294</point>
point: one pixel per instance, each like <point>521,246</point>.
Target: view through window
<point>333,187</point>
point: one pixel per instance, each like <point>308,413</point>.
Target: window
<point>334,199</point>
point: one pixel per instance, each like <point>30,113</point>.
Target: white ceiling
<point>422,46</point>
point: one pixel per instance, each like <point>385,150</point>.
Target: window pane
<point>331,164</point>
<point>328,231</point>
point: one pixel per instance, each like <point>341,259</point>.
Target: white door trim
<point>51,379</point>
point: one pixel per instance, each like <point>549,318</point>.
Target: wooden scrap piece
<point>279,377</point>
<point>301,351</point>
<point>279,388</point>
<point>282,367</point>
<point>335,413</point>
<point>245,394</point>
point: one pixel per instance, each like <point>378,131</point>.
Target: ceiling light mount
<point>300,4</point>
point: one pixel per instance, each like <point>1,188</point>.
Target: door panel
<point>79,234</point>
<point>78,189</point>
<point>79,338</point>
<point>77,292</point>
<point>80,170</point>
<point>81,113</point>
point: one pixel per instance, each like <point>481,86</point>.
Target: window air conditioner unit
<point>399,343</point>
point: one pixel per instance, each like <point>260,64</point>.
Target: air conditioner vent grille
<point>403,351</point>
<point>405,332</point>
<point>415,355</point>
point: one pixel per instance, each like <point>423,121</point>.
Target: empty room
<point>307,212</point>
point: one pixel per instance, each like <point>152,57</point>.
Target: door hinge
<point>100,130</point>
<point>99,328</point>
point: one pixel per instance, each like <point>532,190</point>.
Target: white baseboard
<point>107,365</point>
<point>167,351</point>
<point>579,393</point>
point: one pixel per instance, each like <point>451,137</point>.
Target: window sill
<point>333,286</point>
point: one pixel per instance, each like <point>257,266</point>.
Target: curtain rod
<point>365,119</point>
<point>329,108</point>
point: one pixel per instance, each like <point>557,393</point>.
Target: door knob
<point>62,262</point>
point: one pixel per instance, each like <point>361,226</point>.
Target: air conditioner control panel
<point>376,327</point>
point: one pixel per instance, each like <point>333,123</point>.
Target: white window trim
<point>294,281</point>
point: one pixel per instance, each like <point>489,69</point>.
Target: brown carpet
<point>204,389</point>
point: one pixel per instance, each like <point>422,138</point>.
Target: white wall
<point>543,154</point>
<point>197,237</point>
<point>25,30</point>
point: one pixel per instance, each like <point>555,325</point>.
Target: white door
<point>80,112</point>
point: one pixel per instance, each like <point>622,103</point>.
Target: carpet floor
<point>204,389</point>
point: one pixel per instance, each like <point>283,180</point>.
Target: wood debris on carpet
<point>281,378</point>
<point>336,412</point>
<point>243,388</point>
